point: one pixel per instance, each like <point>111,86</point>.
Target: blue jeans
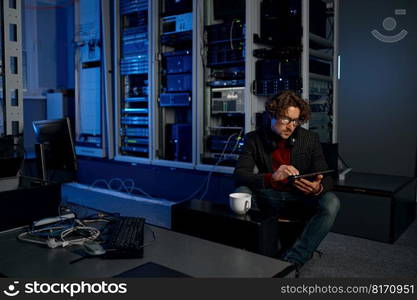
<point>319,213</point>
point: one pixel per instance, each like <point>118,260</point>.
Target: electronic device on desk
<point>55,152</point>
<point>93,248</point>
<point>125,238</point>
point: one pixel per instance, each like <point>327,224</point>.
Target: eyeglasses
<point>285,121</point>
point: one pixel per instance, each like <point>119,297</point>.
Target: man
<point>272,154</point>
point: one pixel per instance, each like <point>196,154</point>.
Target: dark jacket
<point>306,155</point>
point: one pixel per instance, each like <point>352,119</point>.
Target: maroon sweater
<point>280,156</point>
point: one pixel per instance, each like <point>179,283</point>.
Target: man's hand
<point>309,187</point>
<point>283,172</point>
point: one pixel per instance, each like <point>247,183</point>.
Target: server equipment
<point>131,131</point>
<point>226,54</point>
<point>230,73</point>
<point>134,65</point>
<point>131,6</point>
<point>275,86</point>
<point>178,99</point>
<point>318,17</point>
<point>217,143</point>
<point>227,100</point>
<point>177,6</point>
<point>135,149</point>
<point>134,41</point>
<point>177,23</point>
<point>320,67</point>
<point>276,68</point>
<point>179,82</point>
<point>179,142</point>
<point>178,61</point>
<point>226,83</point>
<point>281,22</point>
<point>225,32</point>
<point>134,120</point>
<point>284,51</point>
<point>228,9</point>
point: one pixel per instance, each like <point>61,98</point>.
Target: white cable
<point>218,161</point>
<point>53,242</point>
<point>102,181</point>
<point>206,181</point>
<point>128,189</point>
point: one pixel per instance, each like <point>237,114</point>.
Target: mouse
<point>93,248</point>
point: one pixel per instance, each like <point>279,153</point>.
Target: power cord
<point>206,181</point>
<point>127,185</point>
<point>59,235</point>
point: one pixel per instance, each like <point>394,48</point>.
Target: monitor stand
<point>40,160</point>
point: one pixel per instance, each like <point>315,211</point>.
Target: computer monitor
<point>55,152</point>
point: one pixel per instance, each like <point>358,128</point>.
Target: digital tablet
<point>309,175</point>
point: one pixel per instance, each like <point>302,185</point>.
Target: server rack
<point>174,77</point>
<point>132,76</point>
<point>93,96</point>
<point>298,50</point>
<point>203,90</point>
<point>222,88</point>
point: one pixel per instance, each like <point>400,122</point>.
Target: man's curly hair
<point>277,105</point>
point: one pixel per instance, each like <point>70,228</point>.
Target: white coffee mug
<point>240,203</point>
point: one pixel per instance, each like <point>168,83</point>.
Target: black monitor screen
<point>57,144</point>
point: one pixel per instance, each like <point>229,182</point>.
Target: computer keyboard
<point>125,238</point>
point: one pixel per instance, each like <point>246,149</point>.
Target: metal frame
<point>154,55</point>
<point>305,56</point>
<point>107,80</point>
<point>13,82</point>
<point>336,70</point>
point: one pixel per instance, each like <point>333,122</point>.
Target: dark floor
<point>346,256</point>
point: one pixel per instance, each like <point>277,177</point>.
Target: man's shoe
<point>295,266</point>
